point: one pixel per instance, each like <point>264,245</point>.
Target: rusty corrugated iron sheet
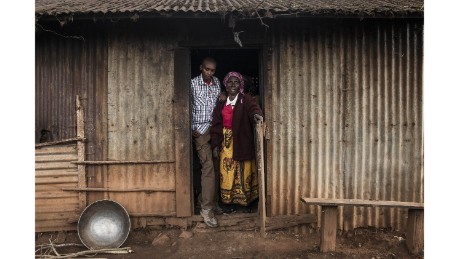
<point>66,67</point>
<point>346,118</point>
<point>55,209</point>
<point>140,120</point>
<point>335,7</point>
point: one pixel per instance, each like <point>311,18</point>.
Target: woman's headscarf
<point>237,75</point>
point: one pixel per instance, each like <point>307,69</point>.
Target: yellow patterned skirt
<point>238,179</point>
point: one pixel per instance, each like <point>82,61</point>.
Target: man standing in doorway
<point>205,90</point>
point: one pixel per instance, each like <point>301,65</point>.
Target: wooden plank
<point>287,221</point>
<point>54,165</point>
<point>63,216</point>
<point>250,222</point>
<point>54,195</point>
<point>119,190</point>
<point>153,214</point>
<point>363,203</point>
<point>58,142</point>
<point>121,162</point>
<point>54,227</point>
<point>182,136</point>
<point>261,175</point>
<point>328,228</point>
<point>55,173</point>
<point>61,149</point>
<point>45,210</point>
<point>53,180</point>
<point>415,229</point>
<point>81,152</point>
<point>266,85</point>
<point>64,157</point>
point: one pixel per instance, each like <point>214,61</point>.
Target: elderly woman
<point>232,140</point>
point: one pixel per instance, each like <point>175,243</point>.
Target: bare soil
<point>359,243</point>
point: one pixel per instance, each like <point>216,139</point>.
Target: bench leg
<point>414,235</point>
<point>328,228</point>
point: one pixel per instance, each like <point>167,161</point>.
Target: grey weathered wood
<point>121,162</point>
<point>58,142</point>
<point>261,175</point>
<point>414,233</point>
<point>81,152</point>
<point>328,228</point>
<point>118,190</point>
<point>182,136</point>
<point>363,203</point>
<point>250,222</point>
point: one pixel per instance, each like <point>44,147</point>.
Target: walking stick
<point>261,175</point>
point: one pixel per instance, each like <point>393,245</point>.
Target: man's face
<point>207,70</point>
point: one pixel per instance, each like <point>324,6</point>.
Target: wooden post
<point>182,133</point>
<point>261,175</point>
<point>414,235</point>
<point>81,153</point>
<point>328,228</point>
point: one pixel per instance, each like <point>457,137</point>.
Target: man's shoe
<point>209,218</point>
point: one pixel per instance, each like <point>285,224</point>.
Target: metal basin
<point>104,224</point>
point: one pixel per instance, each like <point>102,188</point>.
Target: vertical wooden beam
<point>414,235</point>
<point>266,86</point>
<point>182,134</point>
<point>261,174</point>
<point>328,228</point>
<point>81,153</point>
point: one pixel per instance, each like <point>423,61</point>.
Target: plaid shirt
<point>204,99</point>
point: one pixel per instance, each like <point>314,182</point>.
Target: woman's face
<point>233,86</point>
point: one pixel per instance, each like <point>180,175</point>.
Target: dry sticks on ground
<point>48,251</point>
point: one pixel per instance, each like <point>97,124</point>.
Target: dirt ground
<point>359,243</point>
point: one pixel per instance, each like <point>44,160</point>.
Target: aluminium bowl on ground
<point>104,224</point>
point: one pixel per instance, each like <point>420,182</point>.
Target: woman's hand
<point>258,118</point>
<point>216,152</point>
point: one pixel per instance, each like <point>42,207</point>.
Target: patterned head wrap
<point>237,75</point>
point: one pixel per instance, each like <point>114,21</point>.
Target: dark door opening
<point>245,61</point>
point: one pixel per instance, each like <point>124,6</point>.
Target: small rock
<point>161,240</point>
<point>186,235</point>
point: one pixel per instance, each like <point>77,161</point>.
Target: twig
<point>64,36</point>
<point>124,250</point>
<point>260,18</point>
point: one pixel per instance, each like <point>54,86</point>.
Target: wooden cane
<point>261,175</point>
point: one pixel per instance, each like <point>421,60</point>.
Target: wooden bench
<point>414,232</point>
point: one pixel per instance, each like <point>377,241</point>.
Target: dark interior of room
<point>244,61</point>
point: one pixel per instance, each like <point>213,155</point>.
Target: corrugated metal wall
<point>140,120</point>
<point>64,68</point>
<point>56,209</point>
<point>346,117</point>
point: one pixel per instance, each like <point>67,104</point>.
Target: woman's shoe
<point>247,210</point>
<point>229,210</point>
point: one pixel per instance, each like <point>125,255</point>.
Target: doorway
<point>245,61</point>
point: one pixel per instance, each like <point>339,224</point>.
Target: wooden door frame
<point>182,124</point>
<point>182,133</point>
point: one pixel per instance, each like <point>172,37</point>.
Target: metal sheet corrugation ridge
<point>140,119</point>
<point>347,110</point>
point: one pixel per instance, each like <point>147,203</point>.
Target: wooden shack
<point>340,85</point>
